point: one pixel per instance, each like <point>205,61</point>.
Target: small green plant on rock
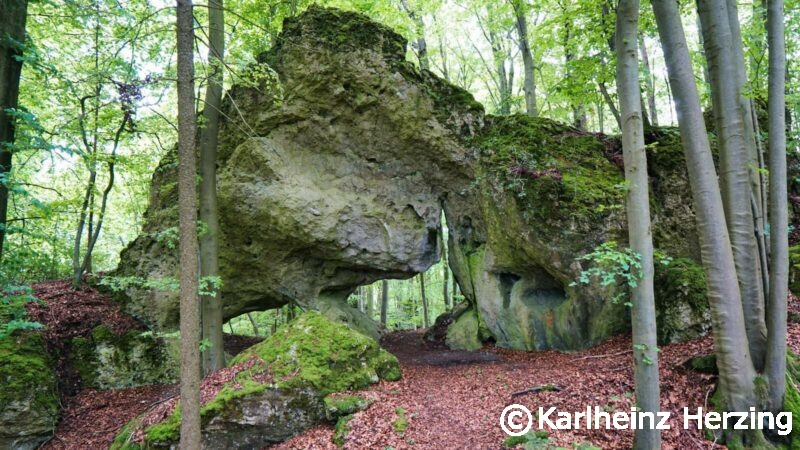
<point>611,265</point>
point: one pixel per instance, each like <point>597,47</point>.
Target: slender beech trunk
<point>91,149</point>
<point>384,301</point>
<point>736,371</point>
<point>778,213</point>
<point>187,209</point>
<point>734,174</point>
<point>12,22</point>
<point>746,109</point>
<point>529,81</point>
<point>420,43</point>
<point>446,288</point>
<point>110,164</point>
<point>649,83</point>
<point>425,318</point>
<point>370,297</point>
<point>252,324</point>
<point>610,102</point>
<point>214,355</point>
<point>643,311</point>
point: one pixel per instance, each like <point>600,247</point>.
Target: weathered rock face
<point>337,174</point>
<point>278,388</point>
<point>105,360</point>
<point>29,403</point>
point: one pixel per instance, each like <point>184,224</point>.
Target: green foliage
<point>13,315</point>
<point>122,283</point>
<point>611,266</point>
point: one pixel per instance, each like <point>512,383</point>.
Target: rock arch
<point>337,175</point>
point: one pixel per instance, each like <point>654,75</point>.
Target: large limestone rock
<point>338,160</point>
<point>277,388</point>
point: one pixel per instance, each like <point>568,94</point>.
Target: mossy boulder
<point>106,360</point>
<point>29,404</point>
<point>278,387</point>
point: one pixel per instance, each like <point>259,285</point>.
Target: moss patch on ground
<point>341,430</point>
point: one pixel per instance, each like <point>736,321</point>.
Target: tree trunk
<point>214,355</point>
<point>735,176</point>
<point>12,22</point>
<point>610,102</point>
<point>425,318</point>
<point>446,287</point>
<point>649,83</point>
<point>252,324</point>
<point>420,44</point>
<point>730,338</point>
<point>750,140</point>
<point>529,81</point>
<point>187,208</point>
<point>384,301</point>
<point>643,311</point>
<point>778,212</point>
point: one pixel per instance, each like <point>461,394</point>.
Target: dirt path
<point>454,399</point>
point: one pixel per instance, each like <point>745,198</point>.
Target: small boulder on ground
<point>273,390</point>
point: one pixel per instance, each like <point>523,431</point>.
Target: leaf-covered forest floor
<point>449,399</point>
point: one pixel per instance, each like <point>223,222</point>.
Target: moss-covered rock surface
<point>106,360</point>
<point>29,403</point>
<point>278,388</point>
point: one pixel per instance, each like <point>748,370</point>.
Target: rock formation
<point>275,389</point>
<point>338,160</point>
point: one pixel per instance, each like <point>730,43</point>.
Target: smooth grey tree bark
<point>384,301</point>
<point>420,44</point>
<point>211,305</point>
<point>734,159</point>
<point>778,208</point>
<point>649,83</point>
<point>730,338</point>
<point>643,310</point>
<point>187,214</point>
<point>425,316</point>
